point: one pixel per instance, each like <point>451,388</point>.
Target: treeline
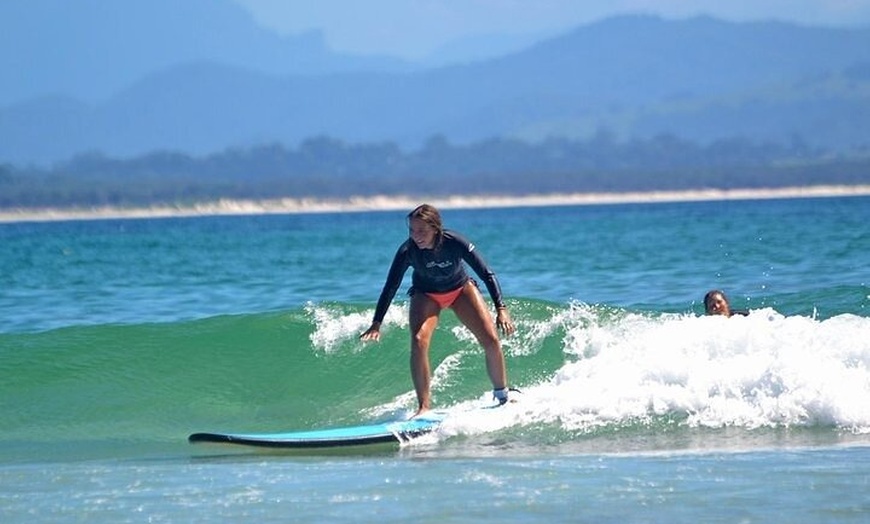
<point>323,167</point>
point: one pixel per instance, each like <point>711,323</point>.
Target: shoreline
<point>228,207</point>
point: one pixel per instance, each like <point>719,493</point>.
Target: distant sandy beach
<point>388,203</point>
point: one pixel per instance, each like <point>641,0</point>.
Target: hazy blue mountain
<point>478,48</point>
<point>90,49</point>
<point>701,79</point>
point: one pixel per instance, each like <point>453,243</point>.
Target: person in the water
<point>716,303</point>
<point>439,281</point>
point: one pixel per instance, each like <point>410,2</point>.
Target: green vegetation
<point>327,168</point>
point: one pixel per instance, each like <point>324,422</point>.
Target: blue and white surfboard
<point>382,433</point>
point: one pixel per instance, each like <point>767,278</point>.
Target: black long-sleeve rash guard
<point>437,271</point>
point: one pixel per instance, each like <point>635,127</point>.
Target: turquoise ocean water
<point>118,338</point>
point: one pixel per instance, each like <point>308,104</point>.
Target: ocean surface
<point>119,338</point>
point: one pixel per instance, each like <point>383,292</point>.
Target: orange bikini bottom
<point>447,299</point>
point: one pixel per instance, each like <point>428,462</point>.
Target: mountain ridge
<point>97,48</point>
<point>636,76</point>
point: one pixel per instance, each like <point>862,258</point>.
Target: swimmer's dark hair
<point>709,297</point>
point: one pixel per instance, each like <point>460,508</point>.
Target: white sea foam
<point>334,327</point>
<point>622,367</point>
<point>764,370</point>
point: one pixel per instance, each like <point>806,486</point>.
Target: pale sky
<point>415,28</point>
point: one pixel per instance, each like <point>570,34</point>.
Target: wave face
<point>587,374</point>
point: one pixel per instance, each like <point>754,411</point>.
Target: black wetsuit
<point>436,271</point>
